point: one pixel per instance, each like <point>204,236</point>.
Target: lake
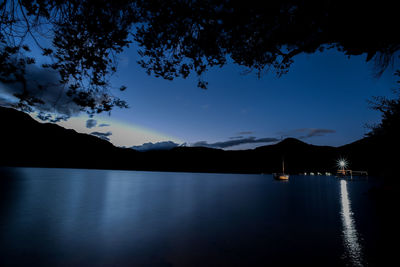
<point>77,217</point>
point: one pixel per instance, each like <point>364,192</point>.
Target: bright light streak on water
<point>350,235</point>
<point>77,217</point>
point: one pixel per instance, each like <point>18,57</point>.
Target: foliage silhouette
<point>81,39</point>
<point>179,37</point>
<point>389,127</point>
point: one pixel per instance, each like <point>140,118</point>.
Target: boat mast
<point>283,166</point>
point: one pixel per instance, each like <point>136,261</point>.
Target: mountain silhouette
<point>27,142</point>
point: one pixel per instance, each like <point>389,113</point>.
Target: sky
<point>323,100</point>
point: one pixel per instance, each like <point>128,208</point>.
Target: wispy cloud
<point>245,133</point>
<point>236,142</point>
<point>103,125</point>
<point>305,133</point>
<point>240,135</point>
<point>104,136</point>
<point>318,132</point>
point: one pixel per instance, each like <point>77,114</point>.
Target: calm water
<point>71,217</point>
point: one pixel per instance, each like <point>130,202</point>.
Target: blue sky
<point>323,100</point>
<point>321,91</point>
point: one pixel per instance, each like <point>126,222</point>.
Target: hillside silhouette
<point>27,142</point>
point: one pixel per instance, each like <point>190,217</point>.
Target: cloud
<point>90,123</point>
<point>245,133</point>
<point>42,84</point>
<point>103,125</point>
<point>104,136</point>
<point>240,135</point>
<point>165,145</point>
<point>318,132</point>
<point>231,143</point>
<point>51,117</point>
<point>304,133</point>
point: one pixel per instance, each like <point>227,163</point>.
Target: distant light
<point>342,163</point>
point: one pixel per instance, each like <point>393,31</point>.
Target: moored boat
<point>282,175</point>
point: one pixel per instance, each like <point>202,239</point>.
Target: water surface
<point>75,217</point>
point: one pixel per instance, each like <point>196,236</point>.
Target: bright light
<point>342,163</point>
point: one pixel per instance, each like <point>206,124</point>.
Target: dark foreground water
<point>73,217</point>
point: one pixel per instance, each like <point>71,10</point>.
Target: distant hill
<point>26,142</point>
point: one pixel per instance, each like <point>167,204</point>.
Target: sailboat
<point>283,175</point>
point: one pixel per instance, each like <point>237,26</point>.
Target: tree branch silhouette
<point>179,38</point>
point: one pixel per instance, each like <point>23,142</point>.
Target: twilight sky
<point>322,100</point>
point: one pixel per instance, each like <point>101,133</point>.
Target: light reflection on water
<point>71,217</point>
<point>350,234</point>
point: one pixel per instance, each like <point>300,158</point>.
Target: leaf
<point>26,48</point>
